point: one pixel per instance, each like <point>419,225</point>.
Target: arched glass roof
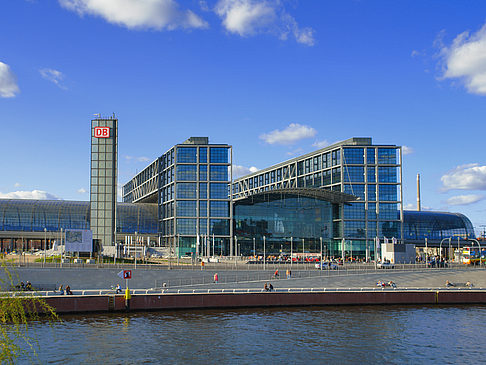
<point>35,215</point>
<point>435,226</point>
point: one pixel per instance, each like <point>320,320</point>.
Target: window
<point>370,156</point>
<point>219,227</point>
<point>300,168</point>
<point>186,172</point>
<point>327,177</point>
<point>203,208</point>
<point>353,156</point>
<point>219,209</point>
<point>387,156</point>
<point>186,208</point>
<point>387,192</point>
<point>186,190</point>
<point>203,226</point>
<point>387,174</point>
<point>389,211</point>
<point>218,155</point>
<point>326,161</point>
<point>372,192</point>
<point>336,175</point>
<point>203,154</point>
<point>203,172</point>
<point>354,211</point>
<point>353,173</point>
<point>307,166</point>
<point>317,163</point>
<point>371,174</point>
<point>186,226</point>
<point>356,190</point>
<point>372,211</point>
<point>218,172</point>
<point>186,154</point>
<point>218,191</point>
<point>203,191</point>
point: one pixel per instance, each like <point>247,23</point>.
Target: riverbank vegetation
<point>17,311</point>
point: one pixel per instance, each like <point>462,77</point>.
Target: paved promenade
<point>104,278</point>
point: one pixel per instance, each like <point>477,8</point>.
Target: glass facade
<point>435,226</point>
<point>35,215</point>
<point>194,180</point>
<point>103,183</point>
<point>370,172</point>
<point>304,219</point>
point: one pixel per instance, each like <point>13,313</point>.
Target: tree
<point>17,310</point>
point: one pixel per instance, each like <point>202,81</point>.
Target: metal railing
<point>106,292</point>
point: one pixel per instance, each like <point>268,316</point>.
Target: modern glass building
<point>435,227</point>
<point>355,166</point>
<point>292,220</point>
<point>190,182</point>
<point>38,220</point>
<point>103,179</point>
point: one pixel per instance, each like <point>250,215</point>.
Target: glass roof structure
<point>35,215</point>
<point>435,226</point>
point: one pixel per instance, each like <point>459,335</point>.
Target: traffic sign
<point>125,274</point>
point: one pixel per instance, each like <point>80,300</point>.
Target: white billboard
<point>79,240</point>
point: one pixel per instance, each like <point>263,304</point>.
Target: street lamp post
<point>264,254</point>
<point>440,248</point>
<point>291,250</point>
<point>45,244</point>
<point>475,240</point>
<point>321,250</point>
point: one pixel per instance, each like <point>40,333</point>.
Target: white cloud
<point>415,53</point>
<point>465,59</point>
<point>293,133</point>
<point>239,170</point>
<point>465,177</point>
<point>34,194</point>
<point>464,199</point>
<point>82,191</point>
<point>53,76</point>
<point>320,144</point>
<point>8,82</point>
<point>250,17</point>
<point>411,206</point>
<point>136,159</point>
<point>138,14</point>
<point>406,150</point>
<point>17,185</point>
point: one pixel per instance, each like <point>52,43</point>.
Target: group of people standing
<point>66,290</point>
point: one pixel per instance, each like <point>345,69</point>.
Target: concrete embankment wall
<point>107,303</point>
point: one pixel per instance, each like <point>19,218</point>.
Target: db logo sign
<point>102,132</point>
<point>127,274</point>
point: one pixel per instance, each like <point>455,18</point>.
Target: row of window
<point>189,172</point>
<point>188,208</point>
<point>328,177</point>
<point>194,226</point>
<point>356,155</point>
<point>190,154</point>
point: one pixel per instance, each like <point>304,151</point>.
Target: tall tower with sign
<point>103,184</point>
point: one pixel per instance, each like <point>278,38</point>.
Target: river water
<point>307,335</point>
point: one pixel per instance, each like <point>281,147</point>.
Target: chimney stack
<point>418,193</point>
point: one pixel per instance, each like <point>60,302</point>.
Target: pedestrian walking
<point>275,275</point>
<point>216,278</point>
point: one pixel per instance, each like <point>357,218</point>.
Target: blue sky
<point>305,73</point>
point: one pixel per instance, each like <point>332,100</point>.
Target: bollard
<point>128,296</point>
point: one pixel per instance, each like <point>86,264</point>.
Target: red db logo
<point>102,132</point>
